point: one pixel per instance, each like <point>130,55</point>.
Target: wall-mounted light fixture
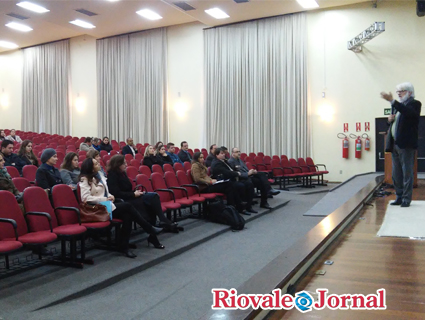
<point>80,103</point>
<point>180,107</point>
<point>326,112</point>
<point>4,99</point>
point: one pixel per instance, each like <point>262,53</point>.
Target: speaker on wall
<point>420,8</point>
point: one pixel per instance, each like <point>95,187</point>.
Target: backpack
<point>228,215</point>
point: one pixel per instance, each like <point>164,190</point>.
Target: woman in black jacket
<point>26,153</point>
<point>105,145</point>
<point>162,155</point>
<point>148,204</point>
<point>150,158</point>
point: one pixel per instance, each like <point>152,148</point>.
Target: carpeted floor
<point>177,288</point>
<point>404,222</point>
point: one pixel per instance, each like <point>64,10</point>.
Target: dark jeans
<point>231,189</point>
<point>149,206</point>
<point>261,182</point>
<point>127,213</point>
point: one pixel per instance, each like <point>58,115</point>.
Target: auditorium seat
<point>29,172</point>
<point>11,210</point>
<point>37,201</point>
<point>21,183</point>
<point>13,172</point>
<point>158,169</point>
<point>167,196</point>
<point>143,169</point>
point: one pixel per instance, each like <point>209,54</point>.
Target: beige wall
<point>10,89</point>
<point>352,81</point>
<point>83,86</point>
<point>185,78</point>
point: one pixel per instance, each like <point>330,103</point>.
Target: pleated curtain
<point>132,86</point>
<point>256,86</point>
<point>45,96</point>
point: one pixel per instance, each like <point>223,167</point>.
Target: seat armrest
<point>13,223</point>
<point>76,210</point>
<point>42,214</point>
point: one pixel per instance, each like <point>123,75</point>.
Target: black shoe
<point>265,205</point>
<point>173,228</point>
<point>156,230</point>
<point>405,205</point>
<point>269,196</point>
<point>396,203</point>
<point>251,210</point>
<point>245,212</point>
<point>274,192</point>
<point>254,202</point>
<point>155,242</point>
<point>129,254</point>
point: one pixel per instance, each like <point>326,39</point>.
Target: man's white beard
<point>406,96</point>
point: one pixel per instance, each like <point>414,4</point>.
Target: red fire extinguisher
<point>345,145</point>
<point>358,152</point>
<point>366,141</point>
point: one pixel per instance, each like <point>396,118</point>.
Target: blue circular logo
<point>303,301</point>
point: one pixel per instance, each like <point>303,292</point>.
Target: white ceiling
<point>120,17</point>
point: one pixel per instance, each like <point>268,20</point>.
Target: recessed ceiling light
<point>8,45</point>
<point>308,4</point>
<point>32,7</point>
<point>18,26</point>
<point>82,24</point>
<point>149,14</point>
<point>217,13</point>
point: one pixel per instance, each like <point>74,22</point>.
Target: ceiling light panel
<point>308,4</point>
<point>217,13</point>
<point>8,45</point>
<point>32,6</point>
<point>82,24</point>
<point>18,26</point>
<point>149,14</point>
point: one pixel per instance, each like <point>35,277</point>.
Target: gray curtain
<point>256,86</point>
<point>45,96</point>
<point>132,86</point>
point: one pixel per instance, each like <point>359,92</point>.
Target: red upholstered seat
<point>35,237</point>
<point>21,183</point>
<point>96,225</point>
<point>68,230</point>
<point>29,172</point>
<point>9,246</point>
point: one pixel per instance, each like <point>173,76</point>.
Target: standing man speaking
<point>402,140</point>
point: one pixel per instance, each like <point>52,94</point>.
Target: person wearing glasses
<point>258,179</point>
<point>402,140</point>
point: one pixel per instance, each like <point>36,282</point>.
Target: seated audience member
<point>96,144</point>
<point>158,144</point>
<point>206,184</point>
<point>2,135</point>
<point>13,137</point>
<point>6,182</point>
<point>47,175</point>
<point>129,148</point>
<point>94,189</point>
<point>150,159</point>
<point>211,156</point>
<point>184,154</point>
<point>105,145</point>
<point>70,171</point>
<point>11,159</point>
<point>226,152</point>
<point>86,145</point>
<point>26,154</point>
<point>148,204</point>
<point>170,151</point>
<point>259,179</point>
<point>94,154</point>
<point>222,170</point>
<point>163,156</point>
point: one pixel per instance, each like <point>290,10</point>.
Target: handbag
<point>93,213</point>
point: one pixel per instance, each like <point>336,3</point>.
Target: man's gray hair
<point>406,86</point>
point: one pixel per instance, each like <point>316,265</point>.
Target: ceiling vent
<point>86,12</point>
<point>17,16</point>
<point>241,1</point>
<point>184,6</point>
